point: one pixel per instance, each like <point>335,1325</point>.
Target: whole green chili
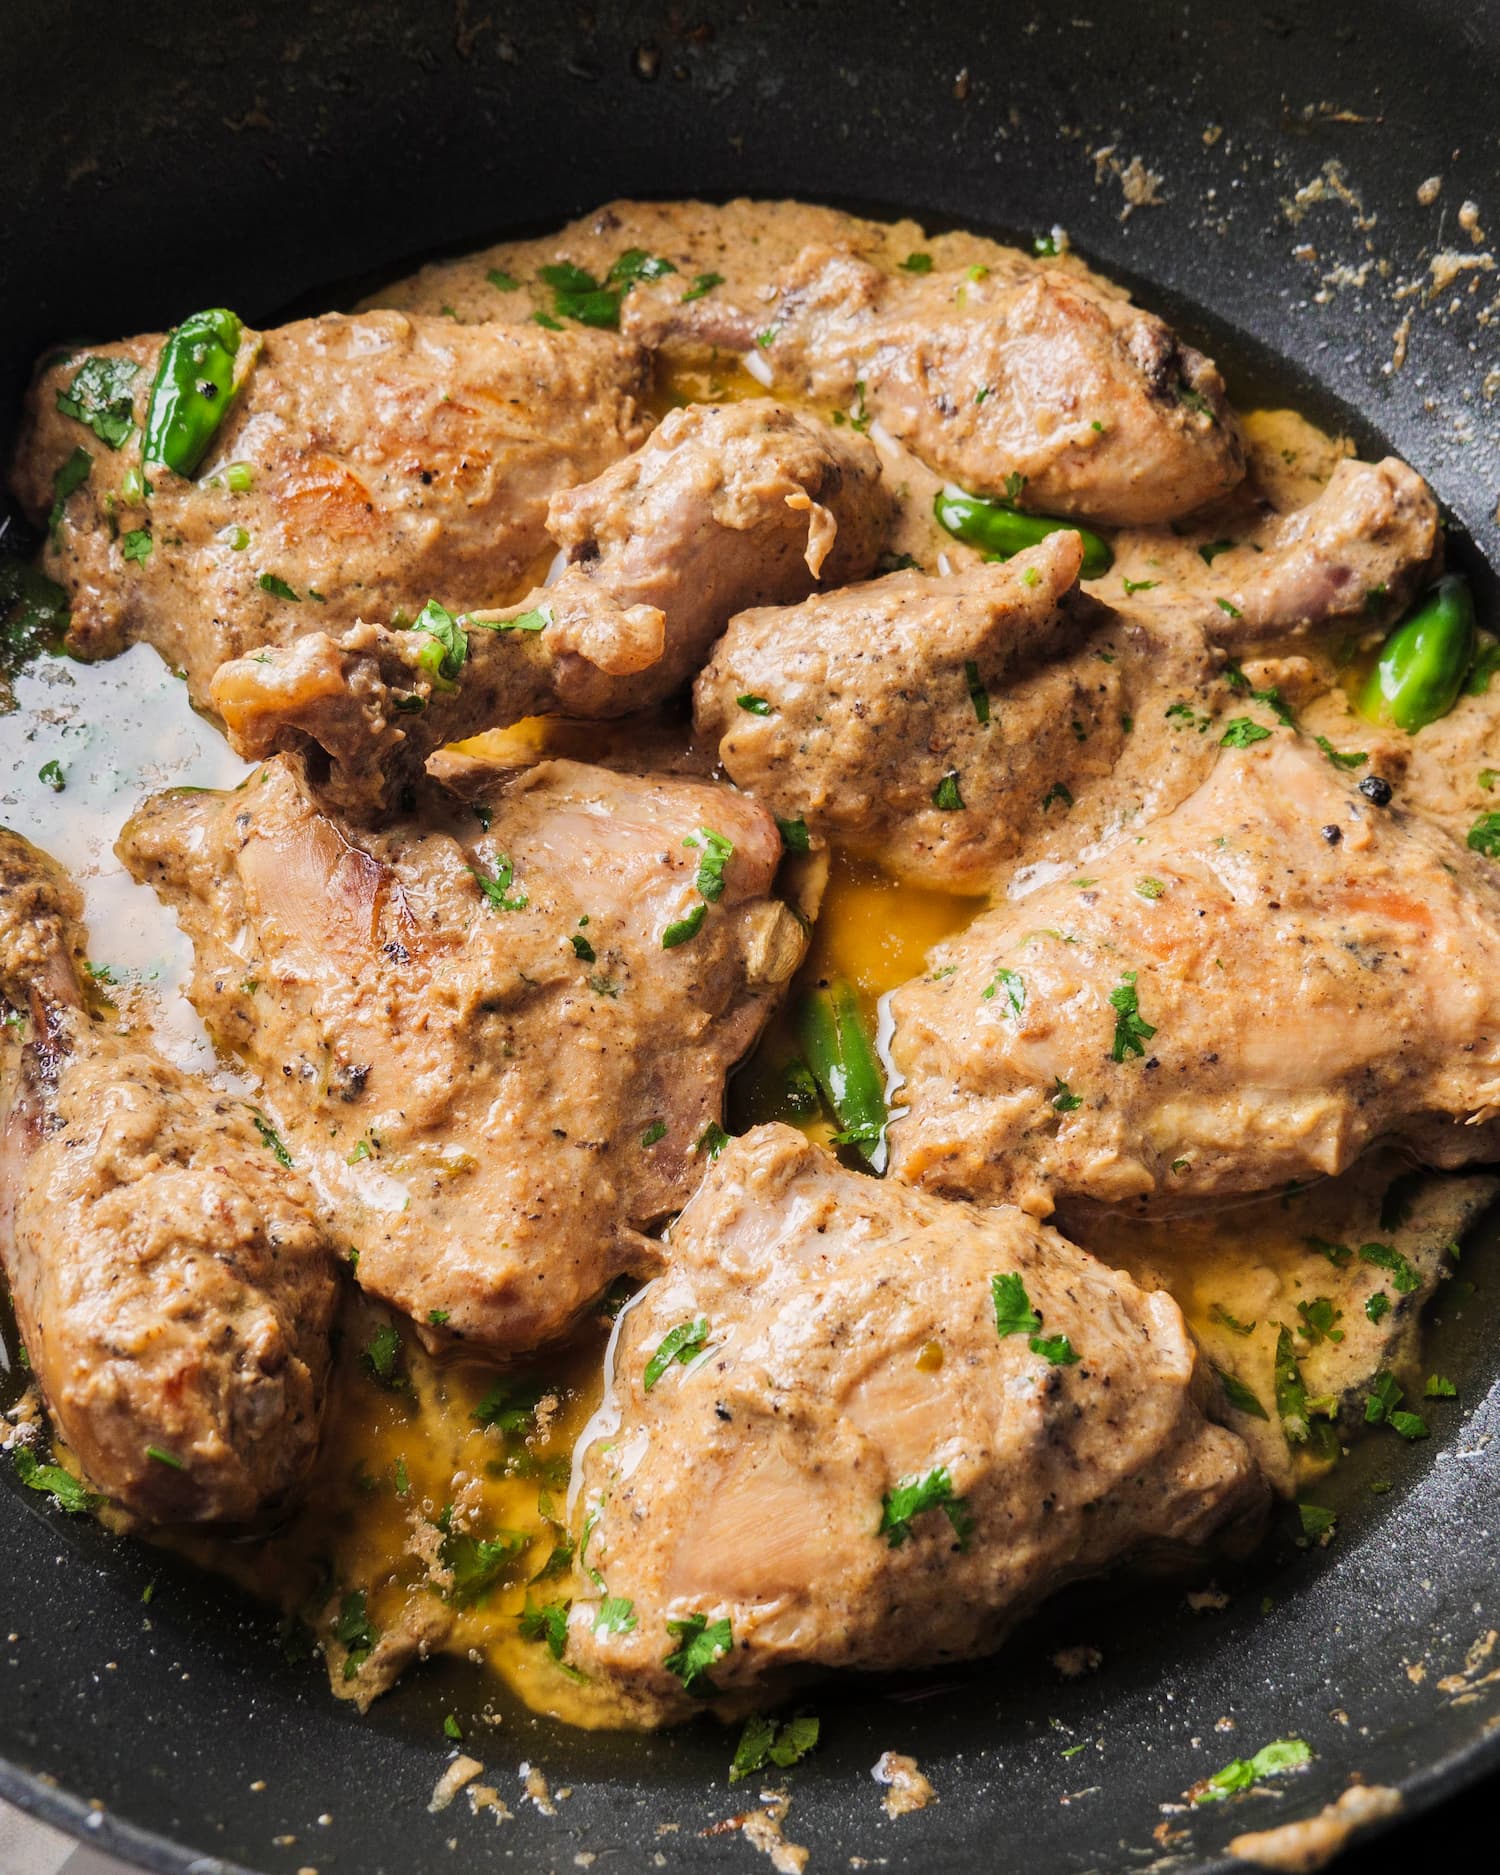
<point>1000,530</point>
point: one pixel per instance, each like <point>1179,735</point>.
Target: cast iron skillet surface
<point>164,157</point>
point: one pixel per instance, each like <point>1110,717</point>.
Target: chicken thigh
<point>950,726</point>
<point>173,1288</point>
<point>497,1036</point>
<point>1278,974</point>
<point>725,506</point>
<point>367,463</point>
<point>854,1426</point>
<point>1036,384</point>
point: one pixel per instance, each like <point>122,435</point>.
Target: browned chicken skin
<point>1313,972</point>
<point>1036,380</point>
<point>482,1033</point>
<point>390,460</point>
<point>950,726</point>
<point>724,506</point>
<point>172,1287</point>
<point>850,1342</point>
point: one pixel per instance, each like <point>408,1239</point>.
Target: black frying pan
<point>166,156</point>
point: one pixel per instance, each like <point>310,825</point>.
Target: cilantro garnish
<point>497,890</point>
<point>1012,985</point>
<point>66,1490</point>
<point>677,1344</point>
<point>1243,731</point>
<point>922,1491</point>
<point>1404,1279</point>
<point>100,398</point>
<point>1014,1315</point>
<point>1132,1031</point>
<point>547,1622</point>
<point>1273,1760</point>
<point>717,852</point>
<point>700,1644</point>
<point>764,1742</point>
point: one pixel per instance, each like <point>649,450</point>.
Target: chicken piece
<point>1358,555</point>
<point>726,251</point>
<point>951,726</point>
<point>839,1425</point>
<point>171,1285</point>
<point>725,506</point>
<point>496,1036</point>
<point>389,460</point>
<point>1065,1050</point>
<point>1042,386</point>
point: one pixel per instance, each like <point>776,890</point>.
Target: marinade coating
<point>172,1283</point>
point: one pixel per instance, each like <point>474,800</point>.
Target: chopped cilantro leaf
<point>547,1622</point>
<point>1341,758</point>
<point>702,283</point>
<point>382,1357</point>
<point>477,1564</point>
<point>1484,836</point>
<point>100,397</point>
<point>582,949</point>
<point>278,588</point>
<point>1242,732</point>
<point>1218,1313</point>
<point>1439,1387</point>
<point>712,1140</point>
<point>270,1137</point>
<point>753,705</point>
<point>909,1497</point>
<point>616,1615</point>
<point>1404,1279</point>
<point>1132,1031</point>
<point>917,263</point>
<point>137,545</point>
<point>1273,1760</point>
<point>502,281</point>
<point>355,1632</point>
<point>795,836</point>
<point>1064,1100</point>
<point>1318,1318</point>
<point>1315,1520</point>
<point>700,1643</point>
<point>764,1742</point>
<point>717,853</point>
<point>946,795</point>
<point>75,1498</point>
<point>496,889</point>
<point>1377,1306</point>
<point>1012,985</point>
<point>681,929</point>
<point>677,1344</point>
<point>657,1130</point>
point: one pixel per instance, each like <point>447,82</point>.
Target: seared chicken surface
<point>368,464</point>
<point>951,726</point>
<point>498,1037</point>
<point>723,507</point>
<point>172,1284</point>
<point>1277,975</point>
<point>850,1425</point>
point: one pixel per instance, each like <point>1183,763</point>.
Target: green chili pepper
<point>1424,663</point>
<point>1002,530</point>
<point>193,390</point>
<point>843,1060</point>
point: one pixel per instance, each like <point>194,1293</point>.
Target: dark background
<point>160,158</point>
